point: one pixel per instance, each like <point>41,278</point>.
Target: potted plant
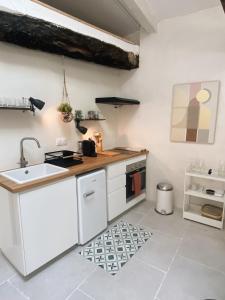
<point>65,107</point>
<point>66,111</point>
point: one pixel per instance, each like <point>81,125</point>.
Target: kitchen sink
<point>24,175</point>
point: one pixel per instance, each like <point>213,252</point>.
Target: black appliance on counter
<point>88,148</point>
<point>64,158</point>
<point>130,171</point>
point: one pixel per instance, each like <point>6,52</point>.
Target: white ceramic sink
<point>31,173</point>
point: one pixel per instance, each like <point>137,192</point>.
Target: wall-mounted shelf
<point>79,120</point>
<point>22,104</point>
<point>82,129</point>
<point>15,108</point>
<point>116,101</point>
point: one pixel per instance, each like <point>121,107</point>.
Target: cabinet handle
<point>85,195</point>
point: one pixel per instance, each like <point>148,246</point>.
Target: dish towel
<point>136,183</point>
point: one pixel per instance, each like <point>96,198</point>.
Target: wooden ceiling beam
<point>38,34</point>
<point>223,4</point>
<point>34,25</point>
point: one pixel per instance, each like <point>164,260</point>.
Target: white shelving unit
<point>194,199</point>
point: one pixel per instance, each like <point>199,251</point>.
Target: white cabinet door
<point>116,183</point>
<point>116,196</point>
<point>116,169</point>
<point>116,203</point>
<point>48,221</point>
<point>91,190</point>
<point>116,192</point>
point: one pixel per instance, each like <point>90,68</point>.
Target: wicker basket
<point>212,212</point>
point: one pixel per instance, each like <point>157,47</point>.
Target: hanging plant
<point>65,108</point>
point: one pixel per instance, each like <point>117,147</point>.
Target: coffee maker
<point>88,148</point>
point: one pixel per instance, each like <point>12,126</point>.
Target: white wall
<point>25,73</point>
<point>185,49</point>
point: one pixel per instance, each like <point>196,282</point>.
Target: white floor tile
<point>6,270</point>
<point>189,280</point>
<point>134,281</point>
<point>159,251</point>
<point>132,216</point>
<point>138,281</point>
<point>79,295</point>
<point>144,207</point>
<point>205,246</point>
<point>204,230</point>
<point>56,281</point>
<point>8,292</point>
<point>193,275</point>
<point>171,224</point>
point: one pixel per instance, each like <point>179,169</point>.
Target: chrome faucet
<point>23,161</point>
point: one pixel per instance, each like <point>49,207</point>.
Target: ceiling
<point>165,9</point>
<point>106,14</point>
<point>110,15</point>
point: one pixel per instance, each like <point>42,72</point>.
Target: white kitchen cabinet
<point>116,203</point>
<point>116,169</point>
<point>38,224</point>
<point>117,183</point>
<point>116,189</point>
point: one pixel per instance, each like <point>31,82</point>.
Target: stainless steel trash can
<point>164,201</point>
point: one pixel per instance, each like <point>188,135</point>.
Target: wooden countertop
<point>89,164</point>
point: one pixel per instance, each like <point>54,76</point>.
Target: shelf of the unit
<point>206,176</point>
<point>23,108</point>
<point>194,214</point>
<point>90,120</point>
<point>201,194</point>
<point>116,101</point>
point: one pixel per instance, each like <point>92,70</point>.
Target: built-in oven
<point>135,179</point>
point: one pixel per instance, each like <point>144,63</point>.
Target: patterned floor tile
<point>113,248</point>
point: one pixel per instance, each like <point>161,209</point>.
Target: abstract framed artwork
<point>194,112</point>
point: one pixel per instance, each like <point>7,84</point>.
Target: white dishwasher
<point>92,212</point>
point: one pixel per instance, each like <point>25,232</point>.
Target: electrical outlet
<point>58,141</point>
<point>61,141</point>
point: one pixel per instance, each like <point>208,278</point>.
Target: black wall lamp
<point>36,103</point>
<point>80,128</point>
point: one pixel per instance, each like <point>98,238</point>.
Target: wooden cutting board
<point>109,153</point>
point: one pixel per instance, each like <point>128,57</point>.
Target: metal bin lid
<point>164,186</point>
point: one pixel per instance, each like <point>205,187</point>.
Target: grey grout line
<point>7,280</point>
<point>150,265</point>
<point>142,218</point>
<point>3,282</point>
<point>203,265</point>
<point>18,290</point>
<point>156,231</point>
<point>160,286</point>
<point>80,290</point>
<point>86,278</point>
<point>170,265</point>
<point>81,283</point>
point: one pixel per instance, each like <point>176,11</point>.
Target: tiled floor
<point>182,261</point>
